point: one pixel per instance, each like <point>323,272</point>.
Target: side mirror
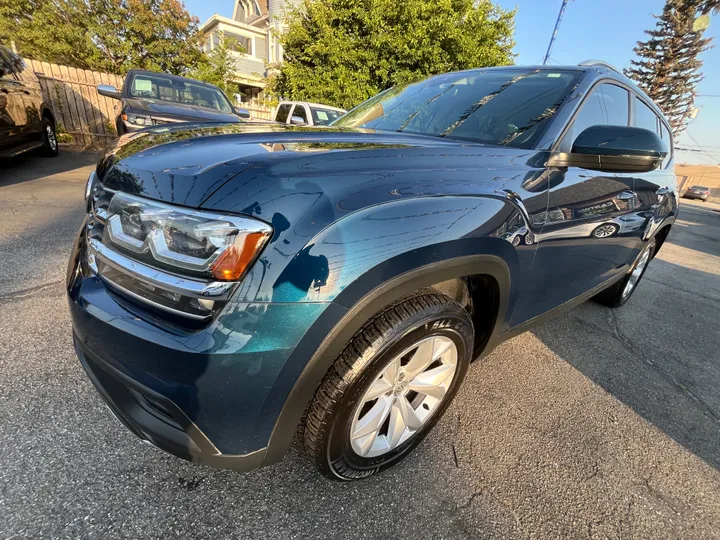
<point>242,113</point>
<point>297,121</point>
<point>613,149</point>
<point>108,91</point>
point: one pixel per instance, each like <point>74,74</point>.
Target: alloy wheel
<point>406,393</point>
<point>50,134</point>
<point>636,273</point>
<point>604,231</point>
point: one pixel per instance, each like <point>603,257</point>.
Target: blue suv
<point>238,285</point>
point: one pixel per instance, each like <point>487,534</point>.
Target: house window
<point>261,48</point>
<point>241,40</point>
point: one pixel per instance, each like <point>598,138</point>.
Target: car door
<point>656,189</point>
<point>32,98</point>
<point>13,116</point>
<point>584,241</point>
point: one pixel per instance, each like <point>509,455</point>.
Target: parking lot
<point>600,424</point>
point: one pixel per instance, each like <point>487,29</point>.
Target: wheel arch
<point>359,302</point>
<point>47,113</point>
<point>660,237</point>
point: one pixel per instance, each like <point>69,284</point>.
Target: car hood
<point>176,111</point>
<point>189,164</point>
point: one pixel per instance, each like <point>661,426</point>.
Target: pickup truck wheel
<point>50,144</point>
<point>621,292</point>
<point>389,386</point>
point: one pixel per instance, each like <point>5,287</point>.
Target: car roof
<point>170,76</point>
<point>311,104</point>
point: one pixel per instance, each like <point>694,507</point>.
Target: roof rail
<point>588,63</point>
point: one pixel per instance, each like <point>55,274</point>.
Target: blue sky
<point>591,29</point>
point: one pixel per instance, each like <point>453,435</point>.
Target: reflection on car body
<point>348,274</point>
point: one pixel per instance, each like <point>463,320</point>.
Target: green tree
<point>668,64</point>
<point>104,35</point>
<point>341,52</point>
<point>219,65</point>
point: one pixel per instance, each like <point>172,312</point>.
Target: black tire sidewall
<point>623,299</point>
<point>341,459</point>
<point>47,149</point>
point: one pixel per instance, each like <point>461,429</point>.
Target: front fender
<point>375,257</point>
<point>344,253</point>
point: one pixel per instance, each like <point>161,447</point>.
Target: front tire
<point>50,144</point>
<point>389,386</point>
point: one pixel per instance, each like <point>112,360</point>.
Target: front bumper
<point>210,395</point>
<point>156,419</point>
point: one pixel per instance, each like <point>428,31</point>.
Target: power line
<point>700,147</point>
<point>555,31</point>
<point>685,149</point>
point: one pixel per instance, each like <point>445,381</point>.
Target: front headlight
<point>187,241</point>
<point>137,120</point>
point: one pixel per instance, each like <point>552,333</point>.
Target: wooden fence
<point>85,115</point>
<point>258,109</point>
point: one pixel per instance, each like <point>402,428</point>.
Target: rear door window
<point>283,112</point>
<point>645,117</point>
<point>667,139</point>
<point>322,117</point>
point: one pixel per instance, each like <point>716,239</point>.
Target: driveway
<point>600,424</point>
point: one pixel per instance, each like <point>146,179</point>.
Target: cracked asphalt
<point>600,424</point>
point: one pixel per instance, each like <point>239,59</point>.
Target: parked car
<point>237,284</point>
<point>26,122</point>
<point>303,113</point>
<point>697,192</point>
<point>148,99</point>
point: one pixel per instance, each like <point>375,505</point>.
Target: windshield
<point>499,106</point>
<point>178,91</point>
<point>322,117</point>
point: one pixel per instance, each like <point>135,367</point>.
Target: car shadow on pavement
<point>658,354</point>
<point>32,166</point>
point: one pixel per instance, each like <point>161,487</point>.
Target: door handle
<point>627,195</point>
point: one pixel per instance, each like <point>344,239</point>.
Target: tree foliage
<point>219,65</point>
<point>104,35</point>
<point>341,52</point>
<point>668,64</point>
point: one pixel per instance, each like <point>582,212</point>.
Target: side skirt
<point>562,308</point>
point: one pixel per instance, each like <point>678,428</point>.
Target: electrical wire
<point>714,158</point>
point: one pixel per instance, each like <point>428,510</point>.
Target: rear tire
<point>388,357</point>
<point>620,293</point>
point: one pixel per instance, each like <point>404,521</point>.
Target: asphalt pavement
<point>600,424</point>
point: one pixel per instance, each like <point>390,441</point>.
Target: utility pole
<point>555,31</point>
